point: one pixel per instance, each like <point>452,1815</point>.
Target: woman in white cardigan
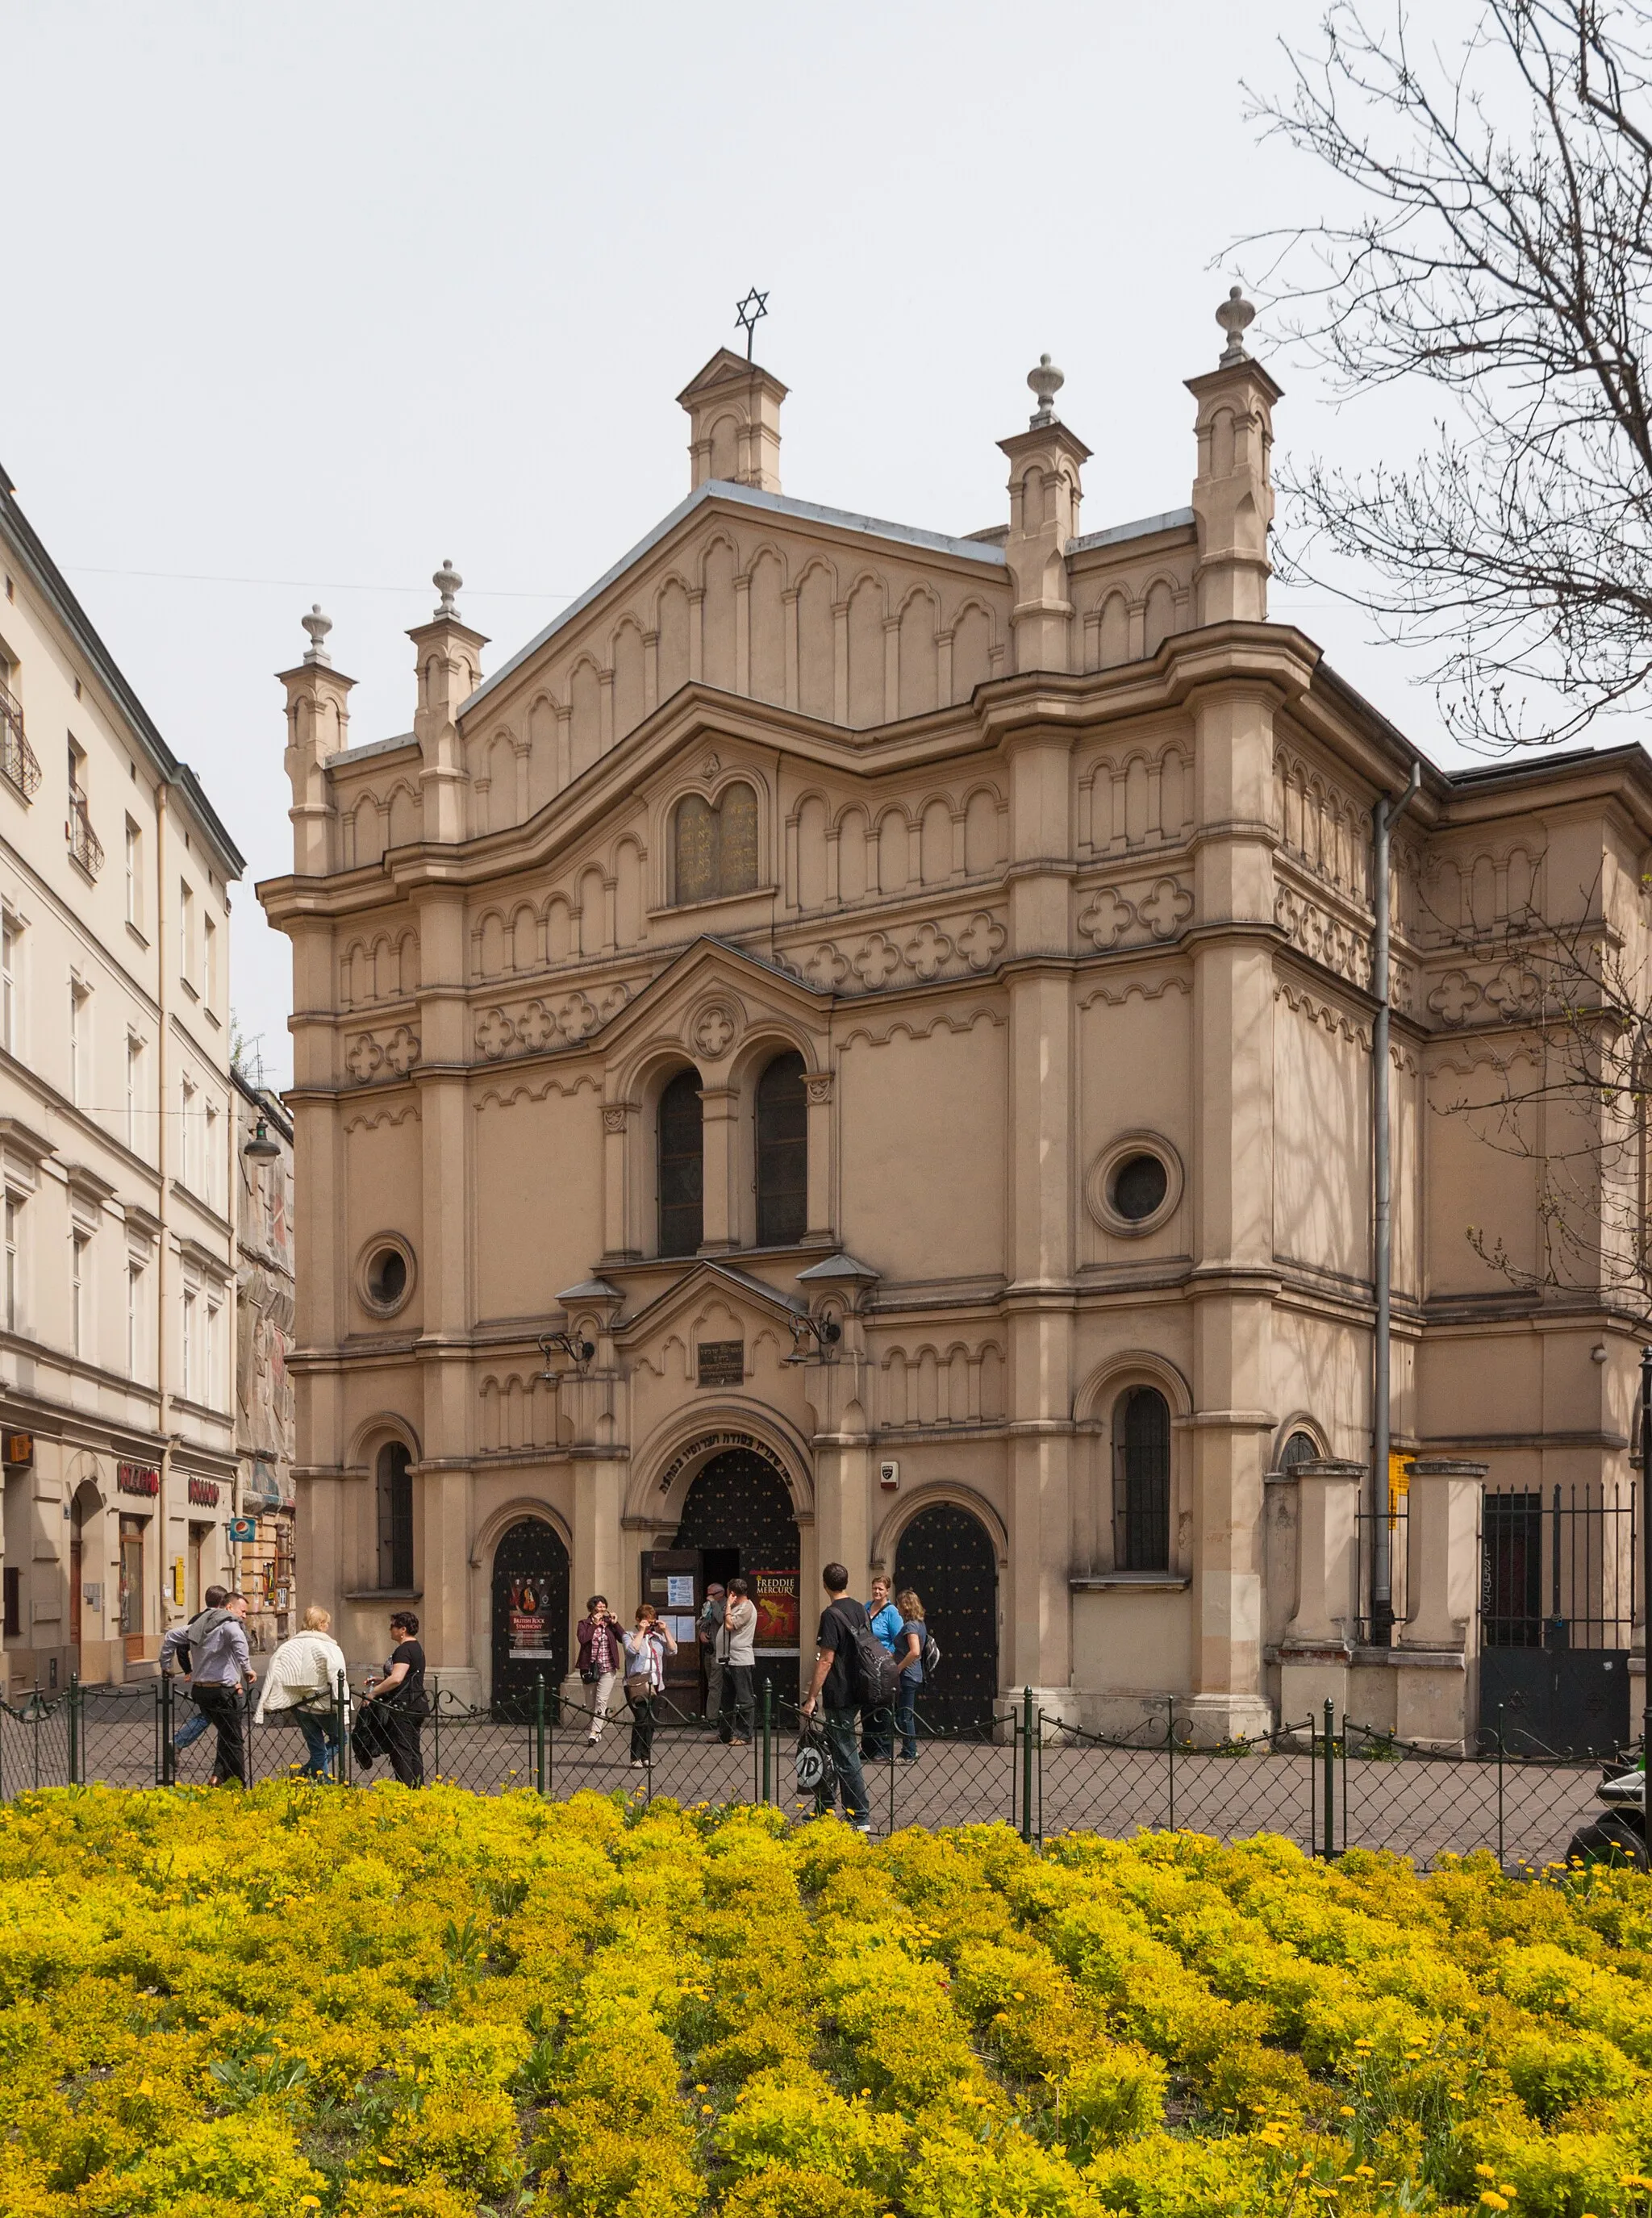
<point>302,1683</point>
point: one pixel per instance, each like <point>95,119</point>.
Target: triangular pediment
<point>726,367</point>
<point>709,987</point>
<point>744,1294</point>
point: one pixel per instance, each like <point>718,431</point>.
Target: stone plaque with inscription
<point>721,1362</point>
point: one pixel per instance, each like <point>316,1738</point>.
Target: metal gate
<point>1557,1590</point>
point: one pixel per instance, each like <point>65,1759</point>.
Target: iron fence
<point>1328,1784</point>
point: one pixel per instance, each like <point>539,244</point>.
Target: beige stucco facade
<point>117,1279</point>
<point>1045,851</point>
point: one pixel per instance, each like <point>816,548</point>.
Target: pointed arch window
<point>1141,1486</point>
<point>782,1153</point>
<point>395,1518</point>
<point>682,1166</point>
<point>714,850</point>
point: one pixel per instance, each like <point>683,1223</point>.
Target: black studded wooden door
<point>739,1514</point>
<point>946,1556</point>
<point>530,1616</point>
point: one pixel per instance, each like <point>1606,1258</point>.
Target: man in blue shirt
<point>877,1726</point>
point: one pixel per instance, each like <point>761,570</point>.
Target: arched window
<point>1141,1488</point>
<point>682,1166</point>
<point>782,1153</point>
<point>1300,1448</point>
<point>714,851</point>
<point>394,1488</point>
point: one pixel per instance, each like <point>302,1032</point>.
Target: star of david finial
<point>747,313</point>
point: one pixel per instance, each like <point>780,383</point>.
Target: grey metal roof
<point>775,504</point>
<point>1173,519</point>
<point>373,747</point>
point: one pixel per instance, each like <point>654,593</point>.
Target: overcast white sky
<point>301,299</point>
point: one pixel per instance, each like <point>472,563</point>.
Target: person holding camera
<point>647,1646</point>
<point>710,1640</point>
<point>600,1659</point>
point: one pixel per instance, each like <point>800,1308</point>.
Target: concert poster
<point>776,1597</point>
<point>530,1611</point>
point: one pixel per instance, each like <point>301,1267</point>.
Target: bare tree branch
<point>1504,255</point>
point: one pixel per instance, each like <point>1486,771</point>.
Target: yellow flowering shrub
<point>381,2005</point>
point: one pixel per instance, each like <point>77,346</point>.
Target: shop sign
<point>243,1528</point>
<point>777,1608</point>
<point>203,1492</point>
<point>137,1478</point>
<point>20,1447</point>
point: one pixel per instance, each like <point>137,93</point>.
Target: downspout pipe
<point>1383,821</point>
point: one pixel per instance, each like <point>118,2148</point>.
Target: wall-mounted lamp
<point>578,1351</point>
<point>825,1332</point>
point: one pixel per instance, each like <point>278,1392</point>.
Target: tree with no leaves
<point>1501,248</point>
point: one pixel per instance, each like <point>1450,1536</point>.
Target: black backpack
<point>874,1675</point>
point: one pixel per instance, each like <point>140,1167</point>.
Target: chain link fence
<point>1326,1784</point>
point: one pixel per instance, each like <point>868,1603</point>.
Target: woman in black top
<point>389,1721</point>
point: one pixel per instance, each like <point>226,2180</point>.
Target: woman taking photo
<point>646,1647</point>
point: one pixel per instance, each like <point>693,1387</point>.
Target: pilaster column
<point>1037,1650</point>
<point>719,1218</point>
<point>1234,1276</point>
<point>1317,1650</point>
<point>819,1089</point>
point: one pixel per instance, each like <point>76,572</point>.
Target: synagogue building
<point>857,1042</point>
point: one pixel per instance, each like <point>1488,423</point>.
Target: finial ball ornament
<point>1046,381</point>
<point>1235,315</point>
<point>318,627</point>
<point>447,582</point>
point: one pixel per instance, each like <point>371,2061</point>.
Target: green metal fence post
<point>768,1740</point>
<point>1170,1744</point>
<point>165,1765</point>
<point>539,1733</point>
<point>1027,1764</point>
<point>74,1729</point>
<point>1329,1779</point>
<point>1499,1786</point>
<point>436,1723</point>
<point>344,1746</point>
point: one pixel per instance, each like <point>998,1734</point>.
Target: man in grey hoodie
<point>180,1646</point>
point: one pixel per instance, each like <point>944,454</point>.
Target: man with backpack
<point>852,1670</point>
<point>179,1650</point>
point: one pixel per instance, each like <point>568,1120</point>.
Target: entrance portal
<point>946,1556</point>
<point>738,1515</point>
<point>530,1616</point>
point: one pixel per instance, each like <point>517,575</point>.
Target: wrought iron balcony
<point>84,843</point>
<point>18,760</point>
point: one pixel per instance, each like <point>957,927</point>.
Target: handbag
<point>638,1686</point>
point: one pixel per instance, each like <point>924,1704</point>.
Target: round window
<point>1140,1185</point>
<point>387,1277</point>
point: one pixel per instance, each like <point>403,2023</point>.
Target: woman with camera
<point>646,1646</point>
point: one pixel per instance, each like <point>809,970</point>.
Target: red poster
<point>530,1614</point>
<point>777,1608</point>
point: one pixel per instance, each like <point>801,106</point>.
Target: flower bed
<point>303,2001</point>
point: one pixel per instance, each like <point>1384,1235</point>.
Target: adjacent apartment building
<point>117,1115</point>
<point>857,1041</point>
